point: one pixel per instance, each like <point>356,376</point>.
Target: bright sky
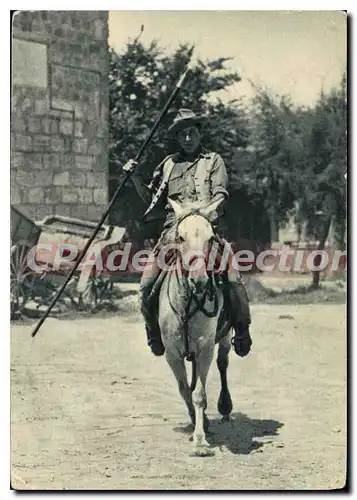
<point>290,52</point>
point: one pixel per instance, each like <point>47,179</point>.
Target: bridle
<point>208,292</point>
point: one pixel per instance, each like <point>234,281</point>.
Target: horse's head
<point>194,234</point>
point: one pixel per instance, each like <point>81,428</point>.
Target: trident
<point>128,174</point>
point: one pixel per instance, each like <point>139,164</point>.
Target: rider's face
<point>189,139</point>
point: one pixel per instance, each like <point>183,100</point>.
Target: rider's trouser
<point>236,294</point>
<point>148,306</point>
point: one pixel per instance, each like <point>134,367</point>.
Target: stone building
<point>59,122</point>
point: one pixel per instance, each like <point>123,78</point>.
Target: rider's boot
<point>240,315</point>
<point>149,312</point>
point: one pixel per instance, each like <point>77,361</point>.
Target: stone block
<point>29,63</point>
<point>68,161</point>
<point>69,195</point>
<point>91,128</point>
<point>59,32</point>
<point>18,124</point>
<point>82,37</point>
<point>63,210</point>
<point>100,30</point>
<point>16,98</point>
<point>84,162</point>
<point>81,109</point>
<point>102,130</point>
<point>77,179</point>
<point>13,173</point>
<point>85,195</point>
<point>95,148</point>
<point>50,125</point>
<point>44,178</point>
<point>24,196</point>
<point>100,196</point>
<point>66,127</point>
<point>80,146</point>
<point>22,143</point>
<point>57,143</point>
<point>41,142</point>
<point>53,195</point>
<point>78,129</point>
<point>94,213</point>
<point>15,194</point>
<point>25,178</point>
<point>17,160</point>
<point>35,195</point>
<point>100,163</point>
<point>34,125</point>
<point>96,179</point>
<point>68,143</point>
<point>61,179</point>
<point>33,161</point>
<point>51,161</point>
<point>41,106</point>
<point>28,105</point>
<point>79,211</point>
<point>94,48</point>
<point>93,109</point>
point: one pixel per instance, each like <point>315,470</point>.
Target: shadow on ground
<point>239,433</point>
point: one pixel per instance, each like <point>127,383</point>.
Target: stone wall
<point>59,147</point>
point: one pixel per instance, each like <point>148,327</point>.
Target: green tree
<point>276,143</point>
<point>141,80</point>
<point>324,202</point>
<point>300,156</point>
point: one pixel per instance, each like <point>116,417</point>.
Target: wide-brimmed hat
<point>184,118</point>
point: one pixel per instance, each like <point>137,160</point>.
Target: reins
<point>209,294</point>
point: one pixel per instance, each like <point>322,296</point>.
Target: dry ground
<point>93,409</point>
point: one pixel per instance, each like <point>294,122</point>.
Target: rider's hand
<point>130,166</point>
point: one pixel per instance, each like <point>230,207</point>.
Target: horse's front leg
<point>224,404</point>
<point>199,400</point>
<point>177,365</point>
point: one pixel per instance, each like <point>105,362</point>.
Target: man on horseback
<point>190,175</point>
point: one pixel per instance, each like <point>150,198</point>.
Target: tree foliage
<point>300,157</point>
<point>141,81</point>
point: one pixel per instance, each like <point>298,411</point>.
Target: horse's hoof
<point>224,405</point>
<point>203,451</point>
<point>225,418</point>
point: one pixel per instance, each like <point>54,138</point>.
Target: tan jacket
<point>210,178</point>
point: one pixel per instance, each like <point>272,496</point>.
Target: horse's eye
<point>180,239</point>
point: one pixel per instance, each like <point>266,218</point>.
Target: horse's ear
<point>211,207</point>
<point>177,208</point>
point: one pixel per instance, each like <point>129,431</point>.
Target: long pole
<point>112,201</point>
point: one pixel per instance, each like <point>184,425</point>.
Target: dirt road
<point>93,409</point>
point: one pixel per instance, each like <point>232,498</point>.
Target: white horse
<point>192,319</point>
